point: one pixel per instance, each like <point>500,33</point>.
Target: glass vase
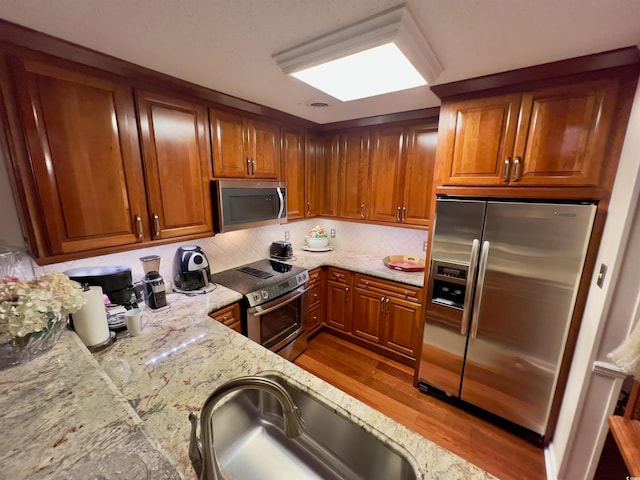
<point>19,350</point>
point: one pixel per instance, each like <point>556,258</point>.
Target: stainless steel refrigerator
<point>501,292</point>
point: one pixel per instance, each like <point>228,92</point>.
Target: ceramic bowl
<point>320,242</point>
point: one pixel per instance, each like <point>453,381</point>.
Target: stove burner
<point>255,272</point>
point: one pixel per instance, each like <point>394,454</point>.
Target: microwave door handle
<point>259,311</point>
<point>279,190</point>
<point>482,270</point>
<point>468,296</point>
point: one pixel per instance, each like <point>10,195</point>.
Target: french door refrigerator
<point>501,291</point>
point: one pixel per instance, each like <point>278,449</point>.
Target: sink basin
<point>250,443</point>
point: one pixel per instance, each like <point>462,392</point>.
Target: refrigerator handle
<point>471,277</point>
<point>482,270</point>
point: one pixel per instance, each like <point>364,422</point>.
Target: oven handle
<point>294,296</point>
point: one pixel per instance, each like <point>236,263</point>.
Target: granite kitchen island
<point>69,407</point>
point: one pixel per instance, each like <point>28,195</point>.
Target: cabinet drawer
<point>339,275</point>
<point>388,288</point>
<point>315,277</point>
<point>314,318</point>
<point>315,296</point>
<point>229,316</point>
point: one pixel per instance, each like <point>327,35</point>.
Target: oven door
<point>278,323</point>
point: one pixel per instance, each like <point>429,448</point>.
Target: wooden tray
<point>404,263</point>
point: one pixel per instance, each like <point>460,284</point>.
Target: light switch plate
<point>333,233</point>
<point>286,235</point>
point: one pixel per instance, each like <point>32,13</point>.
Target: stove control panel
<point>274,291</point>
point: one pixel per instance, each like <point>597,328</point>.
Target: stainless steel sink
<point>250,443</point>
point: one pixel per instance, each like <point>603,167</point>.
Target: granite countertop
<point>73,411</point>
<point>356,262</point>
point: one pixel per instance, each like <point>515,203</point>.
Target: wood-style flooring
<point>387,386</point>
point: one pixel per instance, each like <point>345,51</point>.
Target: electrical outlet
<point>333,233</point>
<point>424,246</point>
<point>286,235</point>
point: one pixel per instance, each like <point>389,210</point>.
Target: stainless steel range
<point>274,306</point>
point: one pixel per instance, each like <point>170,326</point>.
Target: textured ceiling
<point>227,45</point>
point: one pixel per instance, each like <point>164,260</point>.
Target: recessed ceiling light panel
<point>381,54</point>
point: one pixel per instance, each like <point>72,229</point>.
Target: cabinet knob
<point>138,226</point>
<point>248,166</point>
<point>156,222</point>
<point>382,304</point>
<point>308,209</point>
<point>362,210</point>
<point>505,172</point>
<point>346,296</point>
<point>404,213</point>
<point>398,215</point>
<point>517,167</point>
<point>253,167</point>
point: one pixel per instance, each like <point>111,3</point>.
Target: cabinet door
<point>418,178</point>
<point>402,326</point>
<point>313,176</point>
<point>562,134</point>
<point>294,172</point>
<point>338,305</point>
<point>329,177</point>
<point>177,164</point>
<point>478,137</point>
<point>265,149</point>
<point>354,171</point>
<point>367,315</point>
<point>83,147</point>
<point>229,139</point>
<point>386,175</point>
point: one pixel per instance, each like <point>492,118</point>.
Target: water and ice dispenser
<point>448,284</point>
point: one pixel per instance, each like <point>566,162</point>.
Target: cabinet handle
<point>253,167</point>
<point>398,215</point>
<point>362,210</point>
<point>404,213</point>
<point>386,303</point>
<point>308,209</point>
<point>505,172</point>
<point>381,304</point>
<point>248,166</point>
<point>517,166</point>
<point>315,296</point>
<point>156,222</point>
<point>138,226</point>
<point>346,294</point>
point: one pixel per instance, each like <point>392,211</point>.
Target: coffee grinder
<point>155,295</point>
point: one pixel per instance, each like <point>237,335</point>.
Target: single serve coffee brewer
<point>155,295</point>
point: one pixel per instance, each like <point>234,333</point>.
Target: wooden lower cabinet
<point>339,299</point>
<point>382,315</point>
<point>316,309</point>
<point>229,316</point>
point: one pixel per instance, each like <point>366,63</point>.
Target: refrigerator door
<point>530,266</point>
<point>454,251</point>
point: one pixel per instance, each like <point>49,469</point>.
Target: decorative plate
<point>404,263</point>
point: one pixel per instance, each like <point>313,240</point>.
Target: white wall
<point>593,384</point>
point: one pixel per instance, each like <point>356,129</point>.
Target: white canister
<point>90,322</point>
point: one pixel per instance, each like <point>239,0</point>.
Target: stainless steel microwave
<point>239,204</point>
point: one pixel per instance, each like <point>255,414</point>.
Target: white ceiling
<point>227,45</point>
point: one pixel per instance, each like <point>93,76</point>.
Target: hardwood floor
<point>387,386</point>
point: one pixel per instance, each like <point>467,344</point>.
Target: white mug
<point>133,320</point>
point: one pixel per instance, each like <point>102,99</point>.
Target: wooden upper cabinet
<point>293,159</point>
<point>555,136</point>
<point>387,169</point>
<point>402,163</point>
<point>478,137</point>
<point>354,172</point>
<point>177,164</point>
<point>418,178</point>
<point>329,176</point>
<point>244,147</point>
<point>562,135</point>
<point>314,175</point>
<point>81,136</point>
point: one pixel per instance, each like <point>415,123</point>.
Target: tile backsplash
<point>228,250</point>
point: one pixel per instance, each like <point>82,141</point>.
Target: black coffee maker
<point>116,283</point>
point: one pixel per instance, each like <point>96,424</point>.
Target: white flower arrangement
<point>29,306</point>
